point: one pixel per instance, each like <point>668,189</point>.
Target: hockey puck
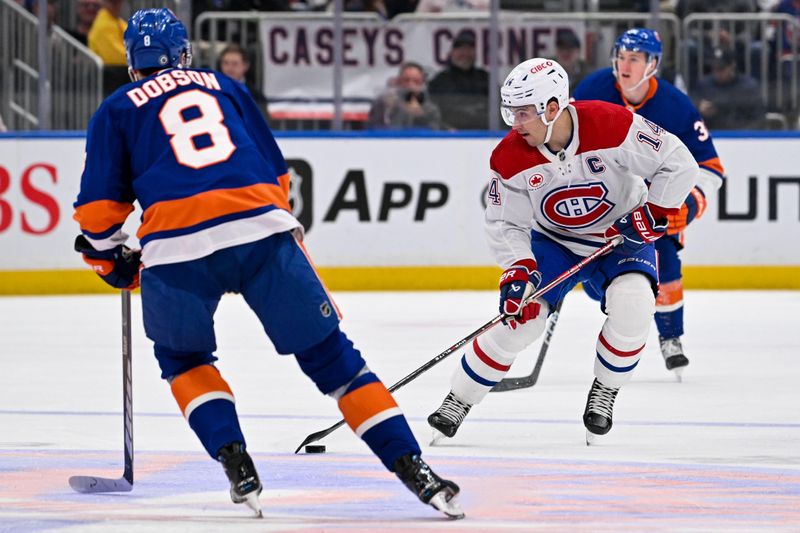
<point>315,448</point>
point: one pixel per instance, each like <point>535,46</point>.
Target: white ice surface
<point>718,452</point>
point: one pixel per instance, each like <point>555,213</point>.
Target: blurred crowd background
<point>402,64</point>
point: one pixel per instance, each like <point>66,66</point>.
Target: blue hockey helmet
<point>156,38</point>
<point>640,40</point>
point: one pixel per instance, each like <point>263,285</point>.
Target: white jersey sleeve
<point>508,218</point>
<point>662,159</point>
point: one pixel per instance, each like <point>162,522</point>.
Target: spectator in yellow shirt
<point>105,35</point>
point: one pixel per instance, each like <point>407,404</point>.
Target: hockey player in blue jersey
<point>631,82</point>
<point>192,148</point>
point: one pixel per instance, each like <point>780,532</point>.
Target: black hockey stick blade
<point>314,437</point>
<point>95,484</point>
<point>484,328</point>
<point>525,382</point>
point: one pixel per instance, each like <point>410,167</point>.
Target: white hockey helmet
<point>534,83</point>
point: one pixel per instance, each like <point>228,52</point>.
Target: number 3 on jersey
<point>184,134</point>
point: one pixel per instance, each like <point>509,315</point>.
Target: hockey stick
<point>314,437</point>
<point>524,382</point>
<point>92,484</point>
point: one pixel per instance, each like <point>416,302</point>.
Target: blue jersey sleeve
<point>106,195</point>
<point>258,129</point>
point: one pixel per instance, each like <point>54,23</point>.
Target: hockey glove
<point>517,283</point>
<point>119,266</point>
<point>693,207</point>
<point>639,227</point>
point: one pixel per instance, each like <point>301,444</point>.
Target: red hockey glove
<point>639,227</point>
<point>517,283</point>
<point>119,267</point>
<point>693,207</point>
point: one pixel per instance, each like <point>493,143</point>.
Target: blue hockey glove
<point>517,283</point>
<point>640,227</point>
<point>119,266</point>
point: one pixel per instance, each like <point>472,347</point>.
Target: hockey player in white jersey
<point>567,178</point>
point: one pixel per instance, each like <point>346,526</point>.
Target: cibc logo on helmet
<point>541,66</point>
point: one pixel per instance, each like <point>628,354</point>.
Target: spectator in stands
<point>790,34</point>
<point>568,55</point>
<point>727,99</point>
<point>397,7</point>
<point>406,103</point>
<point>87,12</point>
<point>366,6</point>
<point>461,90</point>
<point>440,6</point>
<point>235,63</point>
<point>105,40</point>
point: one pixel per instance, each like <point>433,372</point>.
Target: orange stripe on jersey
<point>324,287</point>
<point>651,91</point>
<point>284,180</point>
<point>98,216</point>
<point>365,402</point>
<point>186,212</point>
<point>196,382</point>
<point>670,293</point>
<point>713,164</point>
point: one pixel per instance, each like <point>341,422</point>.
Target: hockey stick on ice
<point>314,437</point>
<point>524,382</point>
<point>125,483</point>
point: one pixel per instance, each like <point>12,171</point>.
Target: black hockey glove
<point>119,267</point>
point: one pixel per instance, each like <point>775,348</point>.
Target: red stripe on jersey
<point>601,125</point>
<point>488,361</point>
<point>619,353</point>
<point>513,155</point>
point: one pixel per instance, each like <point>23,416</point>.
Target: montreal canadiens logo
<point>535,181</point>
<point>578,206</point>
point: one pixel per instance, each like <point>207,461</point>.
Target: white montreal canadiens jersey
<point>614,162</point>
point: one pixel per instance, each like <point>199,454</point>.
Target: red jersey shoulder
<point>601,124</point>
<point>513,155</point>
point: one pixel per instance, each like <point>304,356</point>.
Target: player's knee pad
<point>630,304</point>
<point>670,296</point>
<point>333,363</point>
<point>507,342</point>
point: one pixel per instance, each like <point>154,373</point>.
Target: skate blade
<point>591,438</point>
<point>449,507</point>
<point>678,374</point>
<point>437,437</point>
<point>252,502</point>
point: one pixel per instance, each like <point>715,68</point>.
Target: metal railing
<point>74,84</point>
<point>214,30</point>
<point>758,41</point>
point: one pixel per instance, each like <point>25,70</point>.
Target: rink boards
<point>405,212</point>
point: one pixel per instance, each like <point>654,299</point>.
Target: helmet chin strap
<point>646,77</point>
<point>550,126</point>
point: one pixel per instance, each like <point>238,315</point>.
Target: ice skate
<point>446,420</point>
<point>599,410</point>
<point>239,467</point>
<point>672,351</point>
<point>439,493</point>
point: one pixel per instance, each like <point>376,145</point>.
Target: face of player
<point>528,123</point>
<point>234,66</point>
<point>631,68</point>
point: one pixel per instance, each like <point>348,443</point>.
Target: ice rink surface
<point>718,452</point>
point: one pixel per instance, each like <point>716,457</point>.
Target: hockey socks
<point>669,309</point>
<point>206,401</point>
<point>372,414</point>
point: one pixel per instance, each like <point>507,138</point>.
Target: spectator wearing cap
<point>568,55</point>
<point>461,90</point>
<point>728,99</point>
<point>405,104</point>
